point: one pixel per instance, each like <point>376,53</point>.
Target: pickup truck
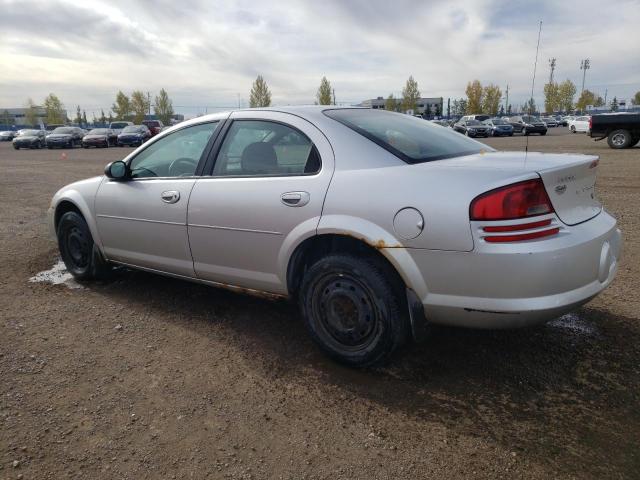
<point>622,130</point>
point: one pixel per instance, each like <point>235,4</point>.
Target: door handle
<point>295,199</point>
<point>170,196</point>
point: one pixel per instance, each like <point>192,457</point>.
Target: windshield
<point>473,122</point>
<point>119,124</point>
<point>498,121</point>
<point>31,133</point>
<point>411,139</point>
<point>67,130</point>
<point>131,129</point>
<point>98,131</point>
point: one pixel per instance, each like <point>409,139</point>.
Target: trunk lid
<point>572,189</point>
<point>568,178</point>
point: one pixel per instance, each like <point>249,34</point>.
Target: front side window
<point>262,148</point>
<point>176,155</point>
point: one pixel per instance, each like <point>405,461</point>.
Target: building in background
<point>16,117</point>
<point>433,105</point>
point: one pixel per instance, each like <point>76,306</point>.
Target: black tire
<point>620,139</point>
<point>80,255</point>
<point>16,147</point>
<point>543,133</point>
<point>353,310</point>
<point>572,128</point>
<point>511,134</point>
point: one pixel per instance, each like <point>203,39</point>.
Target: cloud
<point>206,53</point>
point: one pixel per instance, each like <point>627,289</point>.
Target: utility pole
<point>334,96</point>
<point>606,90</point>
<point>149,102</point>
<point>584,66</point>
<point>506,106</point>
<point>552,65</point>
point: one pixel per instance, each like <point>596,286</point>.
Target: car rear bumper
<point>519,284</point>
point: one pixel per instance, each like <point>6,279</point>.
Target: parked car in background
<point>442,123</point>
<point>266,201</point>
<point>566,119</point>
<point>51,127</point>
<point>528,124</point>
<point>472,128</point>
<point>579,124</point>
<point>7,135</point>
<point>98,137</point>
<point>622,130</point>
<point>29,139</point>
<point>65,137</point>
<point>499,127</point>
<point>133,136</point>
<point>116,128</point>
<point>480,118</point>
<point>154,126</point>
<point>550,122</point>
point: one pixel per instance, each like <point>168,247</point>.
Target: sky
<point>207,53</point>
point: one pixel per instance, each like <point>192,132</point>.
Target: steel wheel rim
<point>77,246</point>
<point>344,308</point>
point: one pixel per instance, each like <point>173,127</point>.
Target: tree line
<point>479,100</point>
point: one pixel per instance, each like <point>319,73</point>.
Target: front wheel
<point>543,133</point>
<point>79,253</point>
<point>573,129</point>
<point>620,139</point>
<point>354,310</point>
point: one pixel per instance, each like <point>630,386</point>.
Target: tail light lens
<point>519,200</point>
<point>590,123</point>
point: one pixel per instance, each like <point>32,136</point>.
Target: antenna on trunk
<point>533,82</point>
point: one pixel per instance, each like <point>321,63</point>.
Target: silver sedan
<point>376,223</point>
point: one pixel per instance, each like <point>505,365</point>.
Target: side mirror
<point>117,170</point>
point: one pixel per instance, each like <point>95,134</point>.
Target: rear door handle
<point>170,196</point>
<point>295,199</point>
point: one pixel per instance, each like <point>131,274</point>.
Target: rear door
<point>266,190</point>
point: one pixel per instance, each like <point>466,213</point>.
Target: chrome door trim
<point>215,227</point>
<point>139,219</point>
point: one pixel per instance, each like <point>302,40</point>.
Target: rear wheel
<point>80,255</point>
<point>573,129</point>
<point>543,133</point>
<point>620,139</point>
<point>354,310</point>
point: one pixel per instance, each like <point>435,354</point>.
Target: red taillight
<point>521,236</point>
<point>520,200</point>
<point>590,123</point>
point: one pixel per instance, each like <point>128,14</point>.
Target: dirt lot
<point>204,383</point>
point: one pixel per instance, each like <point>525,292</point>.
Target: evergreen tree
<point>324,92</point>
<point>410,95</point>
<point>260,95</point>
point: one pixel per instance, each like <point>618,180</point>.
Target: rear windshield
<point>29,133</point>
<point>119,125</point>
<point>132,129</point>
<point>99,131</point>
<point>412,139</point>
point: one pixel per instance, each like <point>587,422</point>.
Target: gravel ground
<point>150,377</point>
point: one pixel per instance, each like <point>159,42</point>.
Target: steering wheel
<point>183,166</point>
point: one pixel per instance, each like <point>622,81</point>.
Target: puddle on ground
<point>575,325</point>
<point>57,275</point>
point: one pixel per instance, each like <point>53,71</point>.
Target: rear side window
<point>263,148</point>
<point>412,139</point>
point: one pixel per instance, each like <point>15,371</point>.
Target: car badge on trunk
<point>560,189</point>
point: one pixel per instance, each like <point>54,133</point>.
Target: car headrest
<point>259,157</point>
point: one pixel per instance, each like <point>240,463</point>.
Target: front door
<point>142,221</point>
<point>270,178</point>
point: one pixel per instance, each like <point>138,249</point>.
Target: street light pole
<point>584,66</point>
